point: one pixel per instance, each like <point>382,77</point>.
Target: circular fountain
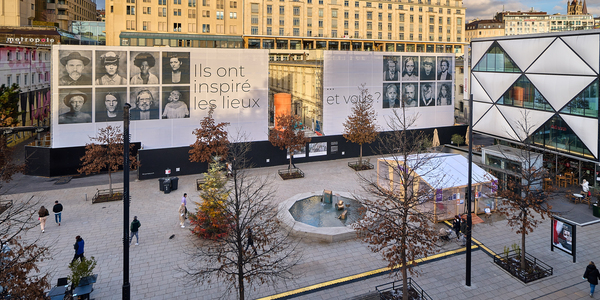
<point>323,216</point>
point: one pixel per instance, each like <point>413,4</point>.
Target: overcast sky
<point>486,9</point>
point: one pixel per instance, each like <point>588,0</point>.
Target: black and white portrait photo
<point>76,68</point>
<point>410,68</point>
<point>428,68</point>
<point>410,94</point>
<point>143,68</point>
<point>390,68</point>
<point>109,104</point>
<point>176,68</point>
<point>111,68</point>
<point>176,102</point>
<point>144,104</point>
<point>427,94</point>
<point>444,94</point>
<point>391,95</point>
<point>444,69</point>
<point>75,106</point>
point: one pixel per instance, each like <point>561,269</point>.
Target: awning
<point>175,36</point>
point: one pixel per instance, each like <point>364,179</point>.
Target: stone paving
<point>155,263</point>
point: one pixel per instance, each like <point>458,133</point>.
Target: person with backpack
<point>592,275</point>
<point>135,226</point>
<point>42,216</point>
<point>78,246</point>
<point>456,226</point>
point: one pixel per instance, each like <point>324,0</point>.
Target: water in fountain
<point>314,212</point>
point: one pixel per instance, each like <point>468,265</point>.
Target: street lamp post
<point>126,285</point>
<point>469,193</point>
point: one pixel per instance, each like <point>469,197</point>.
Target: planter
<point>393,291</point>
<point>356,166</point>
<point>106,196</point>
<point>290,173</point>
<point>534,269</point>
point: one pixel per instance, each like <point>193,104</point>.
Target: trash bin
<point>161,184</point>
<point>596,210</point>
<point>174,183</point>
<point>167,185</point>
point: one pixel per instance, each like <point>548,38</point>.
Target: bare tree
<point>522,200</point>
<point>287,136</point>
<point>231,258</point>
<point>107,154</point>
<point>360,126</point>
<point>393,225</point>
<point>211,139</point>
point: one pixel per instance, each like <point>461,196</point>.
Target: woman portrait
<point>410,68</point>
<point>391,97</point>
<point>142,66</point>
<point>176,103</point>
<point>109,105</point>
<point>444,94</point>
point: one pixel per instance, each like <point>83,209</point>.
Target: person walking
<point>250,242</point>
<point>184,202</point>
<point>592,275</point>
<point>57,209</point>
<point>181,211</point>
<point>463,230</point>
<point>456,226</point>
<point>135,226</point>
<point>78,246</point>
<point>43,215</point>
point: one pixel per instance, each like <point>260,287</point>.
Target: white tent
<point>446,175</point>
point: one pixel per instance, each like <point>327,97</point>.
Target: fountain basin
<point>330,230</point>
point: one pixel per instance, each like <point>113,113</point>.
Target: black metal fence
<point>393,290</point>
<point>106,195</point>
<point>535,269</point>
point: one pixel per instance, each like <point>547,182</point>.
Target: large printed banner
<point>170,91</point>
<point>423,82</point>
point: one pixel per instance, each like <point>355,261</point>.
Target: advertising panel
<point>563,236</point>
<point>170,91</point>
<point>422,82</point>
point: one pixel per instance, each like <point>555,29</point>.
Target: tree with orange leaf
<point>106,154</point>
<point>287,135</point>
<point>360,127</point>
<point>211,139</point>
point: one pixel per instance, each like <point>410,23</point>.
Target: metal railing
<point>106,196</point>
<point>393,289</point>
<point>511,262</point>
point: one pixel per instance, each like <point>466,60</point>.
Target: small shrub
<point>80,269</point>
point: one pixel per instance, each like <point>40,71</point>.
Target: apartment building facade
<point>483,29</point>
<point>412,26</point>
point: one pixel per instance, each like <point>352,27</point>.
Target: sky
<point>486,9</point>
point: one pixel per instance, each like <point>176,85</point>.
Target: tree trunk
<point>240,274</point>
<point>290,166</point>
<point>404,275</point>
<point>523,241</point>
<point>360,158</point>
<point>110,183</point>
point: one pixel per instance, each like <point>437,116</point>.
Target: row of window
<point>368,35</point>
<point>41,78</point>
<point>350,46</point>
<point>334,12</point>
<point>180,43</point>
<point>26,55</point>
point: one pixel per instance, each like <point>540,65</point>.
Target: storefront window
<point>356,46</point>
<point>253,44</point>
<point>556,134</point>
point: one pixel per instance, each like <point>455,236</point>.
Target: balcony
<point>62,6</point>
<point>62,17</point>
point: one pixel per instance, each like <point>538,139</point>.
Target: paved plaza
<point>154,265</point>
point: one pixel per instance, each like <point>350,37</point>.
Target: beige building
<point>17,12</point>
<point>483,28</point>
<point>412,26</point>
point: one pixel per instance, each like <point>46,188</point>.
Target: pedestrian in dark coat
<point>78,246</point>
<point>57,209</point>
<point>592,275</point>
<point>463,230</point>
<point>456,226</point>
<point>135,226</point>
<point>250,242</point>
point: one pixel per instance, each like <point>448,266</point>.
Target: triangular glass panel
<point>557,135</point>
<point>524,94</point>
<point>584,104</point>
<point>496,60</point>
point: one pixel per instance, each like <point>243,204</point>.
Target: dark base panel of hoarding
<point>52,162</point>
<point>65,161</point>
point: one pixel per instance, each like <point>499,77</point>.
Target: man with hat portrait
<point>75,101</point>
<point>75,64</point>
<point>176,67</point>
<point>110,62</point>
<point>144,61</point>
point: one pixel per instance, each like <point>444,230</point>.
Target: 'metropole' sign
<point>170,91</point>
<point>30,40</point>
